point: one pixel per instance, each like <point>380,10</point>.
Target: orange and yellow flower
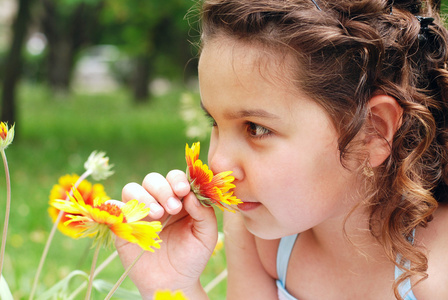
<point>104,217</point>
<point>167,295</point>
<point>6,135</point>
<point>209,188</point>
<point>59,191</point>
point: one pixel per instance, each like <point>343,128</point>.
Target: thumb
<point>205,226</point>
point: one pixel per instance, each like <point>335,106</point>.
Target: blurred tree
<point>13,63</point>
<point>68,26</point>
<point>152,33</point>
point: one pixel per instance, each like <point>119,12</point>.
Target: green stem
<point>217,280</point>
<point>92,271</point>
<point>51,236</point>
<point>98,270</point>
<point>123,276</point>
<point>7,211</point>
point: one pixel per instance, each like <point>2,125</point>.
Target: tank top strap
<point>405,287</point>
<point>283,255</point>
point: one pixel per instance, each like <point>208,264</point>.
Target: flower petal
<point>142,233</point>
<point>66,206</point>
<point>134,211</point>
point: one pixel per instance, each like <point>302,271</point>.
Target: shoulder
<point>434,239</point>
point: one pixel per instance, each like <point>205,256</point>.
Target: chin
<point>267,230</point>
<point>264,232</point>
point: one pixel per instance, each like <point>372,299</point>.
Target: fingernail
<point>173,203</point>
<point>154,208</point>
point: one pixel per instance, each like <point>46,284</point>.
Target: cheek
<point>303,178</point>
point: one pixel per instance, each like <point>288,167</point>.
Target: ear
<point>384,121</point>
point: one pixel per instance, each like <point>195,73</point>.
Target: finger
<point>136,191</point>
<point>179,183</point>
<point>205,224</point>
<point>161,190</point>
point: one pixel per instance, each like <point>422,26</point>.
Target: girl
<point>332,117</point>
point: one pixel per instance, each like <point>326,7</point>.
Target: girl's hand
<point>188,237</point>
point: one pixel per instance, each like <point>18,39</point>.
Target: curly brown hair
<point>349,50</point>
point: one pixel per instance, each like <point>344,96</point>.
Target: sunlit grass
<point>55,137</point>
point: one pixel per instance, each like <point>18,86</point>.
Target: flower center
<point>112,209</point>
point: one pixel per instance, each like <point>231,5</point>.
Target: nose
<point>225,156</point>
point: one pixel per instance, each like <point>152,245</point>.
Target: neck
<point>347,237</point>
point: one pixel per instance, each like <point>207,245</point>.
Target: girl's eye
<point>257,131</point>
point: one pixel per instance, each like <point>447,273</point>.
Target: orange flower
<point>88,192</point>
<point>210,189</point>
<point>104,217</point>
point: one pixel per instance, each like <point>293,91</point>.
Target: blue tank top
<point>284,252</point>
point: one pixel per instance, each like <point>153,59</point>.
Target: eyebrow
<point>245,113</point>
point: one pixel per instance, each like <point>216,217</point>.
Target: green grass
<point>54,137</point>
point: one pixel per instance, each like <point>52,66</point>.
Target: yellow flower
<point>6,135</point>
<point>88,192</point>
<point>104,217</point>
<point>167,295</point>
<point>98,165</point>
<point>210,189</point>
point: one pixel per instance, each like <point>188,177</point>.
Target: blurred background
<point>96,46</point>
<point>84,75</point>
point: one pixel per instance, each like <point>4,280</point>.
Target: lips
<point>246,206</point>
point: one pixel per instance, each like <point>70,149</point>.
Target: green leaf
<point>5,293</point>
<point>121,293</point>
<point>60,288</point>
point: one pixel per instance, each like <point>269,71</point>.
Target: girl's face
<point>279,143</point>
